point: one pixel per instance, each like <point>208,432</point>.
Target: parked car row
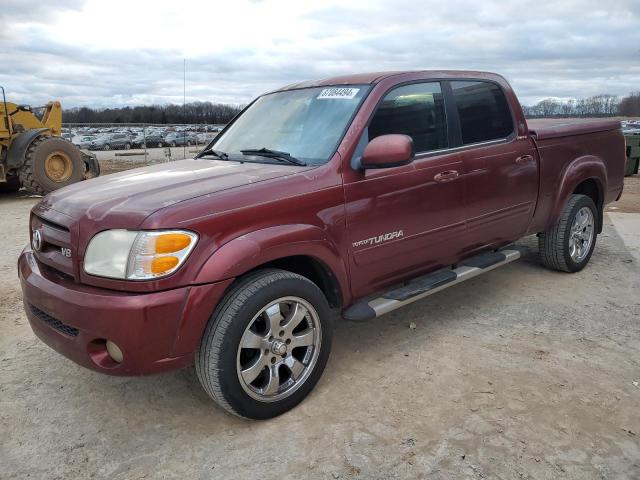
<point>152,138</point>
<point>631,127</point>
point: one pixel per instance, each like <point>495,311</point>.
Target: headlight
<point>138,255</point>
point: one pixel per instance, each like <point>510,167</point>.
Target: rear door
<point>501,172</point>
<point>407,219</point>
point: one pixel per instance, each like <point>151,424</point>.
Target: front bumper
<point>156,332</point>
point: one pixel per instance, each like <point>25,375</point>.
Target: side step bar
<point>426,285</point>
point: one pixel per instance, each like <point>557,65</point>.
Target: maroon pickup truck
<point>358,194</point>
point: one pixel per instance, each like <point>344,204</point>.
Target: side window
<point>483,110</point>
<point>416,110</point>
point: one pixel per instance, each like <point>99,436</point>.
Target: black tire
<point>159,144</point>
<point>216,359</point>
<point>173,144</point>
<point>33,175</point>
<point>127,146</point>
<point>554,243</point>
<point>11,185</point>
<point>106,147</point>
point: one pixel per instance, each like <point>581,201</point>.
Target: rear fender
<point>91,165</point>
<point>19,146</point>
<point>251,250</point>
<point>584,168</point>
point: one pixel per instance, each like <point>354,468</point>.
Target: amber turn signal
<point>163,264</point>
<point>172,242</point>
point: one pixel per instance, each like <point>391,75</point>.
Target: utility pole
<point>184,107</point>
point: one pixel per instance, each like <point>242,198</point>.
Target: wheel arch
<point>585,175</point>
<point>302,249</point>
<point>592,189</point>
<point>313,269</point>
<point>19,146</point>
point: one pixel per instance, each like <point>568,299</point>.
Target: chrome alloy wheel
<point>279,349</point>
<point>581,235</point>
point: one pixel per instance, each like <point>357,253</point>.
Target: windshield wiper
<point>268,153</point>
<point>216,153</point>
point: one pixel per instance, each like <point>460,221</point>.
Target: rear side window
<point>416,110</point>
<point>483,110</point>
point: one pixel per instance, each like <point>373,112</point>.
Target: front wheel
<point>266,345</point>
<point>568,246</point>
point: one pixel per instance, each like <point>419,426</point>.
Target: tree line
<point>192,113</point>
<point>214,113</point>
<point>597,106</point>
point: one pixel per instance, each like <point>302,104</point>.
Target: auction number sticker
<point>338,92</point>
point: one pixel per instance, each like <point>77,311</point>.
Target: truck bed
<point>564,142</point>
<point>546,128</point>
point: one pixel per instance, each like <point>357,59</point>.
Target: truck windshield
<point>307,123</point>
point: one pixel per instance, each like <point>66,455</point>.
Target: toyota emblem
<point>36,241</point>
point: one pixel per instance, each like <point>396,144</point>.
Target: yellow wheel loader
<point>32,153</point>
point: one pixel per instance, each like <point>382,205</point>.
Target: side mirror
<point>386,151</point>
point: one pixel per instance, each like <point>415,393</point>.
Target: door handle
<point>524,159</point>
<point>446,176</point>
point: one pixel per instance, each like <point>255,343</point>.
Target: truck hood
<point>127,198</point>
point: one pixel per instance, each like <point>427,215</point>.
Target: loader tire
<point>51,163</point>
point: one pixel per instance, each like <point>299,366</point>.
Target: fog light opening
<point>114,352</point>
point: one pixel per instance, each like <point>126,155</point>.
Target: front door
<point>402,221</point>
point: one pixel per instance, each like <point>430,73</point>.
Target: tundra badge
<point>379,239</point>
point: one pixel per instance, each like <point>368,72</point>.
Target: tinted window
<point>483,110</point>
<point>416,110</point>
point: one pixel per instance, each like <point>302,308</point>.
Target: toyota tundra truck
<point>357,194</point>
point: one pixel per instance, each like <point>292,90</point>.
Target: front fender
<point>583,168</point>
<point>251,250</point>
<point>19,145</point>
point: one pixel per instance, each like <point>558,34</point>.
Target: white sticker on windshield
<point>338,92</point>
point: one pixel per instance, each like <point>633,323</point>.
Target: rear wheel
<point>266,345</point>
<point>127,146</point>
<point>568,246</point>
<point>51,163</point>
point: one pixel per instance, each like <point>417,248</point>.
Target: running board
<point>426,285</point>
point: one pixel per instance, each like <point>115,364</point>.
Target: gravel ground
<point>117,160</point>
<point>520,373</point>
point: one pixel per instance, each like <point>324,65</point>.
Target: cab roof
<point>375,77</point>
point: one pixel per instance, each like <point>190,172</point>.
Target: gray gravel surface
<point>520,373</point>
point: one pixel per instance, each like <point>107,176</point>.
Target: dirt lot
<point>521,373</point>
<point>113,161</point>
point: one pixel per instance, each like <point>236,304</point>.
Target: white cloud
<point>101,53</point>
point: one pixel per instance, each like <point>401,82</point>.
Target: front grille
<point>54,322</point>
<point>54,238</point>
<point>51,224</point>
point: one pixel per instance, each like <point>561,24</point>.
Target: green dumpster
<point>633,154</point>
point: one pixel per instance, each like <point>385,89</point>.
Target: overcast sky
<point>113,53</point>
